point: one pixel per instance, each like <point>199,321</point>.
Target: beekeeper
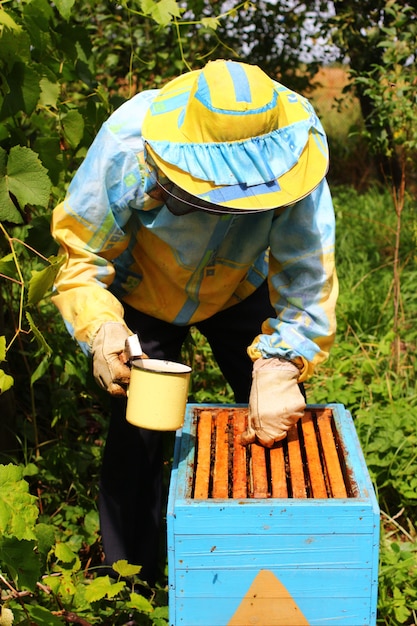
<point>203,204</point>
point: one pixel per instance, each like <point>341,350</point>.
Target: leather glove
<point>275,401</point>
<point>109,359</point>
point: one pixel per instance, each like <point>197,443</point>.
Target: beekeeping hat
<point>233,138</point>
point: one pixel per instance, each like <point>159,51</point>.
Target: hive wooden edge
<point>191,407</point>
<point>183,462</point>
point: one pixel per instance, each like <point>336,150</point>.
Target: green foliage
<point>360,375</point>
<point>392,122</point>
<point>207,383</point>
<point>43,280</point>
<point>27,286</point>
<point>29,548</point>
<point>390,84</point>
<point>59,80</point>
<point>389,436</point>
<point>398,576</point>
<point>25,179</point>
<point>162,12</point>
<point>6,381</point>
<point>18,509</point>
<point>380,43</point>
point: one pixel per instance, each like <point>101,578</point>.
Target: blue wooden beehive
<point>287,536</point>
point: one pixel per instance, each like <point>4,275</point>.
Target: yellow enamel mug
<point>157,394</point>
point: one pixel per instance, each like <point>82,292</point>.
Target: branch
<point>71,618</point>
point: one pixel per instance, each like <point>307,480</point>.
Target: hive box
<point>287,536</point>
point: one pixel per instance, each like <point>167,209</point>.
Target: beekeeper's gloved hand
<point>109,359</point>
<point>275,402</point>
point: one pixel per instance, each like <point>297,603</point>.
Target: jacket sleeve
<point>89,226</point>
<point>303,284</point>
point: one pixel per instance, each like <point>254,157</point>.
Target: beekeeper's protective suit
<point>202,203</point>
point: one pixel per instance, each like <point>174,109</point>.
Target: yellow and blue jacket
<point>123,246</point>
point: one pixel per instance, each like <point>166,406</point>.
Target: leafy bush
<point>42,568</point>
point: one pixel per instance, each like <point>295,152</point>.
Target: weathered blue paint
<point>324,551</point>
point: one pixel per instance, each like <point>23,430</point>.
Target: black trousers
<point>131,487</point>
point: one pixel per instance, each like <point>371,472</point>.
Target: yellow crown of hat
<point>229,105</point>
<point>232,136</point>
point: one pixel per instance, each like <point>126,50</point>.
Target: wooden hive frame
<point>309,463</point>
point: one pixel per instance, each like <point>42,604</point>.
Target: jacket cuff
<point>305,367</point>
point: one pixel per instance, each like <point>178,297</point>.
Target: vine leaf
<point>125,569</point>
<point>18,509</point>
<point>2,348</point>
<point>210,22</point>
<point>45,536</point>
<point>8,266</point>
<point>7,21</point>
<point>28,178</point>
<point>162,12</point>
<point>42,344</point>
<point>8,211</point>
<point>140,603</point>
<point>73,127</point>
<point>49,92</point>
<point>23,90</point>
<point>23,176</point>
<point>64,7</point>
<point>6,381</point>
<point>65,554</point>
<point>42,616</point>
<point>43,347</point>
<point>20,561</point>
<point>42,280</point>
<point>102,587</point>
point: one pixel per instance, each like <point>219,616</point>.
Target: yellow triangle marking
<point>268,603</point>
